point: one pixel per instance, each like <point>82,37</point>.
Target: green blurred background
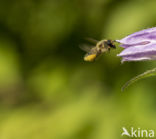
<point>47,91</point>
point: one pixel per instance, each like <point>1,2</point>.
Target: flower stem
<point>147,73</point>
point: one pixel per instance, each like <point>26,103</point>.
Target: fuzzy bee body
<point>100,47</point>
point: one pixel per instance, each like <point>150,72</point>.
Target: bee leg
<point>109,50</point>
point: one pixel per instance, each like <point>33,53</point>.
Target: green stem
<point>147,73</point>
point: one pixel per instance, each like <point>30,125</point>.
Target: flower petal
<point>139,37</point>
<point>139,58</point>
<point>129,45</point>
<point>139,49</point>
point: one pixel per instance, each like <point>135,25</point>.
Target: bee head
<point>110,43</point>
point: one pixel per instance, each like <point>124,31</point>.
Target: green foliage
<point>48,91</point>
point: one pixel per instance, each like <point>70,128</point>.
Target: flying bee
<point>95,51</point>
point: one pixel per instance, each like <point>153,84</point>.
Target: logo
<point>137,133</point>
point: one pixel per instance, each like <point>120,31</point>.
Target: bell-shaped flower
<point>139,46</point>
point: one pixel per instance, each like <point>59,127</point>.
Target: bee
<point>95,51</point>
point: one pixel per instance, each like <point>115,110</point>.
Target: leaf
<point>147,73</point>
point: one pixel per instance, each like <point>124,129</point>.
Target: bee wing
<point>85,47</point>
<point>91,40</point>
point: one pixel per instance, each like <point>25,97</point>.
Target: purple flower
<point>139,46</point>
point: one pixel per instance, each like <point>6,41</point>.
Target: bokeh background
<point>47,91</point>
